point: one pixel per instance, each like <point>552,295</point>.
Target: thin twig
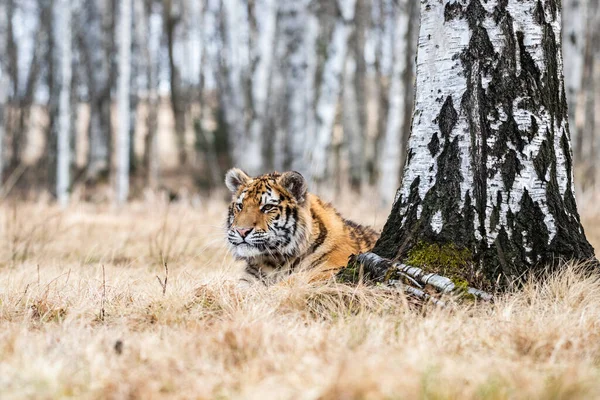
<point>102,312</point>
<point>162,283</point>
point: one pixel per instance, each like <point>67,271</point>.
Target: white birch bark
<point>574,13</point>
<point>234,57</point>
<point>63,153</point>
<point>261,76</point>
<point>353,131</point>
<point>330,91</point>
<point>96,39</point>
<point>391,149</point>
<point>298,29</point>
<point>123,139</point>
<point>4,85</point>
<point>302,88</point>
<point>489,165</point>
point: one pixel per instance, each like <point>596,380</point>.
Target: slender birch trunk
<point>391,149</point>
<point>234,30</point>
<point>172,17</point>
<point>148,36</point>
<point>331,85</point>
<point>261,76</point>
<point>574,12</point>
<point>354,99</point>
<point>4,85</point>
<point>489,168</point>
<point>96,38</point>
<point>123,140</point>
<point>300,28</point>
<point>63,152</point>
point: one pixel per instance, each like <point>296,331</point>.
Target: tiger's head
<point>269,215</point>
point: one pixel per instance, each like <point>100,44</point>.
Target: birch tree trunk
<point>4,85</point>
<point>63,152</point>
<point>261,77</point>
<point>354,98</point>
<point>96,38</point>
<point>148,36</point>
<point>234,31</point>
<point>331,85</point>
<point>172,16</point>
<point>574,12</point>
<point>299,28</point>
<point>391,149</point>
<point>123,140</point>
<point>489,166</point>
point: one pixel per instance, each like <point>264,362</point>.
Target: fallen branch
<point>380,269</point>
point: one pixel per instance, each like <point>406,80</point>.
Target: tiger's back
<point>278,228</point>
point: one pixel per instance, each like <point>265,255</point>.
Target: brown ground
<point>82,314</point>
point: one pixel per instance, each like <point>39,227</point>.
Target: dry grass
<point>67,331</point>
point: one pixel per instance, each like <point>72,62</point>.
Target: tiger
<point>277,227</point>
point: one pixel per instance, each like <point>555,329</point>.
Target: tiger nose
<point>244,231</point>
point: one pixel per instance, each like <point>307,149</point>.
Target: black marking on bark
<point>434,145</point>
<point>543,159</point>
<point>452,11</point>
<point>447,118</point>
<point>511,167</point>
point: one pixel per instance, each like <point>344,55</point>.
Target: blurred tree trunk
<point>63,152</point>
<point>148,38</point>
<point>381,27</point>
<point>298,29</point>
<point>574,21</point>
<point>234,32</point>
<point>262,65</point>
<point>489,168</point>
<point>172,17</point>
<point>96,37</point>
<point>123,98</point>
<point>354,98</point>
<point>22,100</point>
<point>330,89</point>
<point>400,100</point>
<point>4,85</point>
<point>205,139</point>
<point>586,120</point>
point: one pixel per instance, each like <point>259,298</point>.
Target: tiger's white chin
<point>244,250</point>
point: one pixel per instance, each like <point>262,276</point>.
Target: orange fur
<point>325,241</point>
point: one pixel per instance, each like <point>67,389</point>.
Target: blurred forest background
<point>106,99</point>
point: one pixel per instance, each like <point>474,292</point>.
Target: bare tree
<point>148,37</point>
<point>124,92</point>
<point>354,97</point>
<point>63,163</point>
<point>233,70</point>
<point>4,83</point>
<point>400,95</point>
<point>262,64</point>
<point>95,32</point>
<point>489,168</point>
<point>573,48</point>
<point>172,10</point>
<point>331,84</point>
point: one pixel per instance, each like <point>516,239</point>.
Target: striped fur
<point>289,228</point>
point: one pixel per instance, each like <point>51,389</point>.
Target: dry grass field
<point>83,315</point>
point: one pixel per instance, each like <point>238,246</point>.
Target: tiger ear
<point>235,178</point>
<point>294,183</point>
